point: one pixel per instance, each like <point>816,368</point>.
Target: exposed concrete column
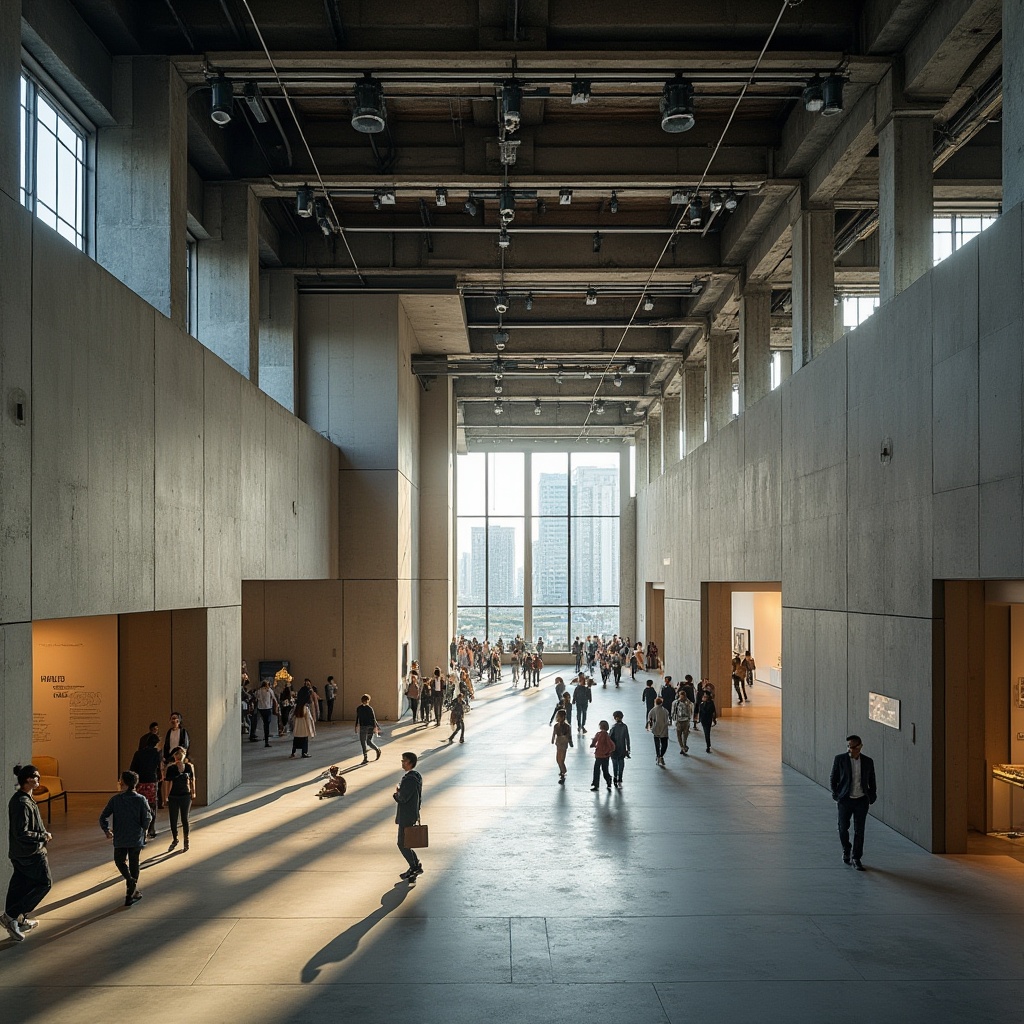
<point>278,350</point>
<point>814,283</point>
<point>654,443</point>
<point>670,439</point>
<point>1013,103</point>
<point>755,343</point>
<point>694,406</point>
<point>436,541</point>
<point>719,381</point>
<point>640,460</point>
<point>228,270</point>
<point>904,201</point>
<point>142,184</point>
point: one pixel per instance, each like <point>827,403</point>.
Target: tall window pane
<point>505,623</point>
<point>472,622</point>
<point>595,484</point>
<point>472,496</point>
<point>595,560</point>
<point>553,625</point>
<point>550,484</point>
<point>505,484</point>
<point>471,560</point>
<point>505,561</point>
<point>602,621</point>
<point>550,560</point>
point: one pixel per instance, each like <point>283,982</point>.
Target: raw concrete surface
<point>714,885</point>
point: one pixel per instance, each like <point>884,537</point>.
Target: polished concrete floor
<point>711,889</point>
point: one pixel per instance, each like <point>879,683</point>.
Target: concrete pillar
<point>278,349</point>
<point>1013,104</point>
<point>10,91</point>
<point>904,201</point>
<point>719,381</point>
<point>142,184</point>
<point>814,283</point>
<point>755,343</point>
<point>671,418</point>
<point>654,443</point>
<point>436,540</point>
<point>228,277</point>
<point>694,406</point>
<point>642,477</point>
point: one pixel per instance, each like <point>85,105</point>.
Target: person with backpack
<point>604,747</point>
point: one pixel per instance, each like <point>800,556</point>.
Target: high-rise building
<point>550,549</point>
<point>595,536</point>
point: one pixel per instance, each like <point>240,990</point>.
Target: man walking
<point>581,697</point>
<point>682,715</point>
<point>577,653</point>
<point>266,704</point>
<point>853,789</point>
<point>330,692</point>
<point>132,817</point>
<point>408,795</point>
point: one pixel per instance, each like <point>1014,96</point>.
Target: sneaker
<point>561,780</point>
<point>130,901</point>
<point>406,875</point>
<point>857,864</point>
<point>593,789</point>
<point>846,856</point>
<point>184,849</point>
<point>174,844</point>
<point>12,928</point>
<point>418,870</point>
<point>462,741</point>
<point>27,924</point>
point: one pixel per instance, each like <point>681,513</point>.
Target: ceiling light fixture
<point>696,211</point>
<point>814,100</point>
<point>497,386</point>
<point>254,99</point>
<point>529,300</point>
<point>617,380</point>
<point>507,205</point>
<point>586,373</point>
<point>580,92</point>
<point>631,366</point>
<point>500,340</point>
<point>304,201</point>
<point>376,201</point>
<point>565,197</point>
<point>597,241</point>
<point>511,105</point>
<point>715,202</point>
<point>613,203</point>
<point>599,407</point>
<point>679,198</point>
<point>441,196</point>
<point>504,239</point>
<point>369,115</point>
<point>591,297</point>
<point>498,408</point>
<point>677,105</point>
<point>221,100</point>
<point>558,376</point>
<point>501,301</point>
<point>832,95</point>
<point>323,221</point>
<point>731,200</point>
<point>536,407</point>
<point>648,304</point>
<point>470,207</point>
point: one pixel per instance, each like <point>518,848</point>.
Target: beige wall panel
<point>144,678</point>
<point>223,660</point>
<point>282,493</point>
<point>222,480</point>
<point>252,494</point>
<point>370,628</point>
<point>180,424</point>
<point>369,512</point>
<point>15,437</point>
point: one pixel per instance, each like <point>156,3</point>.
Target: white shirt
<point>856,790</point>
<point>265,698</point>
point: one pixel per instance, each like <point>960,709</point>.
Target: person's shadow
<point>339,949</point>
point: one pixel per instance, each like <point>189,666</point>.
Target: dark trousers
<point>438,705</point>
<point>581,716</point>
<point>265,714</point>
<point>414,703</point>
<point>579,662</point>
<point>601,766</point>
<point>366,739</point>
<point>459,727</point>
<point>179,805</point>
<point>706,726</point>
<point>858,810</point>
<point>409,855</point>
<point>300,743</point>
<point>660,745</point>
<point>330,709</point>
<point>617,672</point>
<point>618,763</point>
<point>126,860</point>
<point>29,884</point>
<point>254,724</point>
<point>740,686</point>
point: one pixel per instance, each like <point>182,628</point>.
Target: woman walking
<point>179,792</point>
<point>286,702</point>
<point>146,763</point>
<point>366,726</point>
<point>306,708</point>
<point>31,880</point>
<point>412,692</point>
<point>708,715</point>
<point>457,719</point>
<point>561,737</point>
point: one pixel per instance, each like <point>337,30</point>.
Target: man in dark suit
<point>408,794</point>
<point>853,789</point>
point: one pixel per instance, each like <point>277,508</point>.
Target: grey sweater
<point>131,818</point>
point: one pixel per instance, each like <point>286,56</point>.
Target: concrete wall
<point>796,490</point>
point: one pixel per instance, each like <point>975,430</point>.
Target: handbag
<point>414,837</point>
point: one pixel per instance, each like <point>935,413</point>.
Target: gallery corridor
<point>711,889</point>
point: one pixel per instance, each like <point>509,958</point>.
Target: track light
<point>511,105</point>
<point>504,239</point>
<point>221,100</point>
<point>529,300</point>
<point>498,408</point>
<point>304,201</point>
<point>648,304</point>
<point>387,196</point>
<point>627,409</point>
<point>580,92</point>
<point>586,373</point>
<point>731,200</point>
<point>813,98</point>
<point>470,207</point>
<point>536,407</point>
<point>597,241</point>
<point>542,206</point>
<point>832,95</point>
<point>591,297</point>
<point>679,198</point>
<point>613,203</point>
<point>500,340</point>
<point>369,114</point>
<point>565,197</point>
<point>715,202</point>
<point>441,196</point>
<point>677,105</point>
<point>696,211</point>
<point>631,366</point>
<point>507,205</point>
<point>599,407</point>
<point>501,301</point>
<point>617,380</point>
<point>498,386</point>
<point>323,221</point>
<point>376,200</point>
<point>254,98</point>
<point>558,376</point>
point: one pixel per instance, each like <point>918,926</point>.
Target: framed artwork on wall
<point>740,640</point>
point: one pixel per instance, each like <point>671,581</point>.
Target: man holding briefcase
<point>408,794</point>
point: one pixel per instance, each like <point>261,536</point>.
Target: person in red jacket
<point>604,747</point>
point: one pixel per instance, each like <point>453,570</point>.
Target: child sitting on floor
<point>335,784</point>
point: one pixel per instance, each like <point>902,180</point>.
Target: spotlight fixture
<point>813,98</point>
<point>511,105</point>
<point>565,197</point>
<point>500,340</point>
<point>731,200</point>
<point>387,196</point>
<point>254,99</point>
<point>498,408</point>
<point>304,201</point>
<point>627,409</point>
<point>501,301</point>
<point>369,114</point>
<point>597,241</point>
<point>591,297</point>
<point>221,100</point>
<point>599,407</point>
<point>507,205</point>
<point>441,196</point>
<point>613,203</point>
<point>617,380</point>
<point>696,211</point>
<point>542,206</point>
<point>470,207</point>
<point>529,300</point>
<point>832,95</point>
<point>587,374</point>
<point>536,407</point>
<point>558,376</point>
<point>715,202</point>
<point>323,221</point>
<point>498,386</point>
<point>580,92</point>
<point>507,149</point>
<point>504,239</point>
<point>677,105</point>
<point>376,201</point>
<point>631,366</point>
<point>679,198</point>
<point>648,304</point>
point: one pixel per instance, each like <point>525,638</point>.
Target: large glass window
<point>566,578</point>
<point>952,230</point>
<point>53,162</point>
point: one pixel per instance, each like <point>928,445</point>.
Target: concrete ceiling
<point>442,66</point>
